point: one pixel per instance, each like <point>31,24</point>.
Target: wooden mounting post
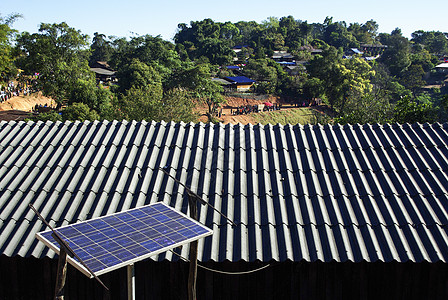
<point>62,274</point>
<point>192,275</point>
<point>131,282</point>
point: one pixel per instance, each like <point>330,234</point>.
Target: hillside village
<point>360,75</point>
<point>335,186</point>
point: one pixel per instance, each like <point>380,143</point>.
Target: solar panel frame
<point>123,238</point>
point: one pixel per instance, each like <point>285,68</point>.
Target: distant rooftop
<point>240,79</point>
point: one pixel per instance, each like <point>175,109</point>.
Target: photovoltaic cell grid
<point>107,243</point>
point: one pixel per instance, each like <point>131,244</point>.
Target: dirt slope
<point>19,107</point>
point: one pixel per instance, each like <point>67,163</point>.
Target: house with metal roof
<point>442,68</point>
<point>318,212</point>
<point>103,72</point>
<point>240,83</point>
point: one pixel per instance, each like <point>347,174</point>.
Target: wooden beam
<point>131,281</point>
<point>61,275</point>
<point>192,275</point>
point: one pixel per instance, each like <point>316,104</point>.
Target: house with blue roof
<point>240,83</point>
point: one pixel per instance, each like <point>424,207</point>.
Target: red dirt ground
<point>19,107</point>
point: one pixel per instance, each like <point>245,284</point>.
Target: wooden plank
<point>62,275</point>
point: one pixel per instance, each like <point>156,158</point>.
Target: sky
<point>135,17</point>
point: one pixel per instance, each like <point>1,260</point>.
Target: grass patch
<point>302,116</point>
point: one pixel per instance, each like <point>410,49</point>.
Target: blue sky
<point>123,18</point>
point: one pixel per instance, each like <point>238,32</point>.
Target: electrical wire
<point>222,272</point>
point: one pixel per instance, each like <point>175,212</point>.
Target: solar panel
<point>110,242</point>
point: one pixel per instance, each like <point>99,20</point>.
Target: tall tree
<point>413,78</point>
<point>139,75</point>
<point>58,53</point>
<point>408,111</point>
<point>7,67</point>
<point>101,48</point>
<point>342,79</point>
<point>397,55</point>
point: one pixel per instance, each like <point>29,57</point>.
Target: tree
<point>97,98</point>
<point>424,58</point>
<point>342,78</point>
<point>152,51</point>
<point>139,75</point>
<point>313,88</point>
<point>265,72</point>
<point>362,109</point>
<point>57,52</point>
<point>7,67</point>
<point>141,103</point>
<point>397,55</point>
<point>79,112</point>
<point>408,111</point>
<point>101,49</point>
<point>413,78</point>
<point>216,51</point>
<point>177,106</point>
<point>434,41</point>
<point>364,33</point>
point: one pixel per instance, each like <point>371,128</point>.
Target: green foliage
<point>152,51</point>
<point>341,79</point>
<point>177,106</point>
<point>95,97</point>
<point>215,50</point>
<point>408,111</point>
<point>366,109</point>
<point>434,41</point>
<point>265,72</point>
<point>101,49</point>
<point>422,57</point>
<point>141,104</point>
<point>413,78</point>
<point>313,88</point>
<point>364,33</point>
<point>397,55</point>
<point>153,72</point>
<point>7,68</point>
<point>79,112</point>
<point>58,54</point>
<point>210,94</point>
<point>139,75</point>
<point>52,116</point>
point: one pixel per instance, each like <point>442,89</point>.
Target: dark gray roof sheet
<point>342,193</point>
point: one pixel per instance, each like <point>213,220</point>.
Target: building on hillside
<point>283,56</point>
<point>442,68</point>
<point>242,53</point>
<point>353,51</point>
<point>103,72</point>
<point>240,83</point>
<point>373,49</point>
<point>227,85</point>
<point>316,51</point>
<point>235,69</point>
<point>318,212</point>
<point>293,68</point>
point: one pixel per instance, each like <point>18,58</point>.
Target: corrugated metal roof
<point>240,79</point>
<point>351,193</point>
